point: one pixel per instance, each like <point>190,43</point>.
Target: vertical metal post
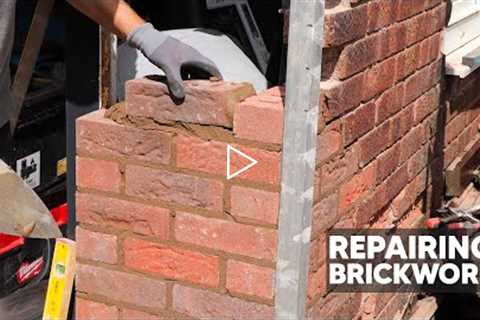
<point>299,152</point>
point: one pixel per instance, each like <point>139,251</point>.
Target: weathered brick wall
<point>380,133</point>
<point>161,231</point>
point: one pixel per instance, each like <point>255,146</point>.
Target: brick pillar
<point>162,232</point>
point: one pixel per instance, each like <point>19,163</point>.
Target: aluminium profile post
<point>299,155</point>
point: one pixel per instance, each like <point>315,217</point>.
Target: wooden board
<point>460,172</point>
<point>29,56</point>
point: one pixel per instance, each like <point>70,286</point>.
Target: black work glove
<point>170,55</point>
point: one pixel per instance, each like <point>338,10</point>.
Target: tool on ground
<point>456,218</point>
<point>61,279</point>
<point>29,57</point>
<point>22,212</point>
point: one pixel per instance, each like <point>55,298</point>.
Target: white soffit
<point>462,37</point>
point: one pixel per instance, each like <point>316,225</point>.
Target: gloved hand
<point>170,55</point>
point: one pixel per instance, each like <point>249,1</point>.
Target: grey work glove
<point>170,55</point>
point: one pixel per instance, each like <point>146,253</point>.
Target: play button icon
<point>231,152</point>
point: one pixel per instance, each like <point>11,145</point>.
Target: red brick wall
<point>161,231</point>
<point>378,144</point>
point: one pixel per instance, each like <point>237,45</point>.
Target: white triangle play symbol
<point>231,175</point>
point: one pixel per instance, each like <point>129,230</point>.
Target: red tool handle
<point>433,223</point>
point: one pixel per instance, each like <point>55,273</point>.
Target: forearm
<point>115,15</point>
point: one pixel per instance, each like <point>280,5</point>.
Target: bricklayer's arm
<point>164,51</point>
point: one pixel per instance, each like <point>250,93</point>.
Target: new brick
<point>210,305</point>
<point>104,137</point>
<point>250,280</point>
<point>121,286</point>
<point>255,204</point>
<point>171,262</point>
<point>122,215</point>
<point>260,118</point>
<point>355,188</point>
<point>211,157</point>
<point>255,242</point>
<point>98,174</point>
<point>96,246</point>
<point>162,185</point>
<point>90,310</point>
<point>344,26</point>
<point>206,102</point>
<point>358,122</point>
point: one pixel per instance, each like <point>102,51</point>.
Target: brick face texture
<point>384,127</point>
<point>162,233</point>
